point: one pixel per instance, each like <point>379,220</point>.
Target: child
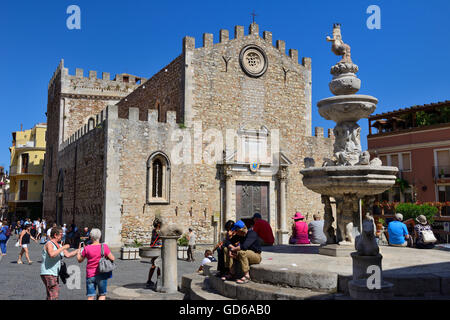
<point>207,259</point>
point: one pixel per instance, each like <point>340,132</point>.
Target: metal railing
<point>28,196</point>
<point>14,170</point>
<point>440,172</point>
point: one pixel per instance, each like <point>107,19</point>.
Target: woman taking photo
<point>24,241</point>
<point>93,253</point>
<point>51,262</point>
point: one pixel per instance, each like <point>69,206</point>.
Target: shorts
<point>24,246</point>
<point>100,281</point>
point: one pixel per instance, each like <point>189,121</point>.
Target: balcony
<point>441,172</point>
<point>31,170</point>
<point>25,197</point>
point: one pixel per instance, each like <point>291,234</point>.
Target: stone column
<point>169,257</point>
<point>228,194</point>
<point>282,232</point>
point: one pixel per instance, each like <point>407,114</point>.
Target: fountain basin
<point>350,107</point>
<point>340,180</point>
<point>149,252</point>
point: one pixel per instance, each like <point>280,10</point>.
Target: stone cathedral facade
<point>219,133</point>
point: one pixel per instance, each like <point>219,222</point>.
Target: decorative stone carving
<point>347,107</point>
<point>376,162</point>
<point>347,209</point>
<point>253,60</point>
<point>309,162</point>
<point>283,174</point>
<point>350,175</point>
<point>328,229</point>
<point>366,244</point>
<point>338,47</point>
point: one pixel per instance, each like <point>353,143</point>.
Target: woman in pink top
<point>299,230</point>
<point>95,279</point>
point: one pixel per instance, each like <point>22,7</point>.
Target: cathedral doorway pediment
<point>279,161</point>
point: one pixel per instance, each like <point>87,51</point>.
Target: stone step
<point>194,288</point>
<point>289,276</point>
<point>295,277</point>
<point>405,284</point>
<point>261,291</point>
<point>411,285</point>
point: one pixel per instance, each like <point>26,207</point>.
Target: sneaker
<point>19,262</point>
<point>30,262</point>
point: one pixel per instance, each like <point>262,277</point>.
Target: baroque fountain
<point>350,176</point>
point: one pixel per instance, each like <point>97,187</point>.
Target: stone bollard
<point>358,287</point>
<point>169,258</point>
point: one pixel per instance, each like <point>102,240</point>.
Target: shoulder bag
<point>62,273</point>
<point>105,265</point>
<point>428,236</point>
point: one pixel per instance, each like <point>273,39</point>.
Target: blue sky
<point>404,63</point>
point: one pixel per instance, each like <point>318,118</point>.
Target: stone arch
<point>91,123</point>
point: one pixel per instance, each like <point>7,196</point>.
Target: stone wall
<point>82,165</point>
<point>162,92</point>
<point>72,100</point>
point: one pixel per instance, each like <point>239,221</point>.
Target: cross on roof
<point>253,15</point>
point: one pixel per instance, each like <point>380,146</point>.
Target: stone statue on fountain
<point>350,175</point>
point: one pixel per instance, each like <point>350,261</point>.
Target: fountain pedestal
<point>169,264</point>
<point>361,287</point>
<point>336,250</point>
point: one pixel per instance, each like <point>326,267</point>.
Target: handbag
<point>428,236</point>
<point>105,265</point>
<point>17,244</point>
<point>62,272</point>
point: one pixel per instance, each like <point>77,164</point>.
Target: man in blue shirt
<point>398,233</point>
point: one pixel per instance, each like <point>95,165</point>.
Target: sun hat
<point>238,225</point>
<point>421,219</point>
<point>399,216</point>
<point>257,215</point>
<point>297,216</point>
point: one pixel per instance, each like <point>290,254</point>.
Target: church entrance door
<point>252,197</point>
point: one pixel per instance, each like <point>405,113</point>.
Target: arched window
<point>158,178</point>
<point>91,124</point>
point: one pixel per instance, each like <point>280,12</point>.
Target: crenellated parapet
<point>111,113</point>
<point>239,33</point>
<point>92,84</point>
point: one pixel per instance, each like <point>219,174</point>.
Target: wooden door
<point>252,197</point>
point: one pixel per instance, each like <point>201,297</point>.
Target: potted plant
<point>182,247</point>
<point>131,251</point>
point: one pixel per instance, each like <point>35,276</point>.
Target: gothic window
<point>158,178</point>
<point>91,124</point>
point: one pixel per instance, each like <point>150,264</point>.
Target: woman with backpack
<point>5,233</point>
